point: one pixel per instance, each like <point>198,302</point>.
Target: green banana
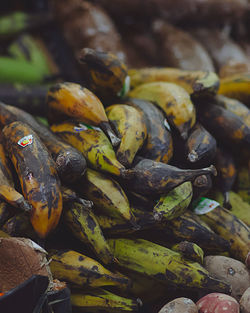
<point>85,227</point>
<point>163,264</point>
<point>189,250</point>
<point>83,271</point>
<point>175,202</point>
<point>93,144</point>
<point>106,194</point>
<point>97,300</point>
<point>131,128</point>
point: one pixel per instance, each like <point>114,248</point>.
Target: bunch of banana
<point>173,100</point>
<point>80,103</point>
<point>163,264</point>
<point>131,128</point>
<point>93,144</point>
<point>196,83</point>
<point>37,175</point>
<point>106,73</point>
<point>96,300</point>
<point>174,203</point>
<point>84,226</point>
<point>231,228</point>
<point>83,271</point>
<point>107,195</point>
<point>159,143</point>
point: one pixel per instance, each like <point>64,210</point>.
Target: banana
<point>70,163</point>
<point>226,168</point>
<point>163,264</point>
<point>85,227</point>
<point>70,196</point>
<point>200,146</point>
<point>78,102</point>
<point>186,227</point>
<point>235,106</point>
<point>174,203</point>
<point>239,207</point>
<point>196,83</point>
<point>224,125</point>
<point>236,86</point>
<point>7,191</point>
<point>243,183</point>
<point>189,250</point>
<point>93,144</point>
<point>131,128</point>
<point>156,178</point>
<point>201,186</point>
<point>107,195</point>
<point>37,174</point>
<point>106,74</point>
<point>3,234</point>
<point>173,100</point>
<point>83,271</point>
<point>6,212</point>
<point>159,143</point>
<point>229,227</point>
<point>102,300</point>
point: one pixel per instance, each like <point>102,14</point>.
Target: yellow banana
<point>83,271</point>
<point>106,194</point>
<point>102,300</point>
<point>173,100</point>
<point>131,128</point>
<point>194,82</point>
<point>163,264</point>
<point>93,144</point>
<point>189,250</point>
<point>231,228</point>
<point>80,103</point>
<point>85,227</point>
<point>236,86</point>
<point>175,202</point>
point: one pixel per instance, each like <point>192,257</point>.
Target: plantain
<point>156,178</point>
<point>239,207</point>
<point>187,227</point>
<point>226,168</point>
<point>70,163</point>
<point>174,203</point>
<point>224,125</point>
<point>159,143</point>
<point>189,250</point>
<point>106,74</point>
<point>102,300</point>
<point>37,174</point>
<point>196,83</point>
<point>93,144</point>
<point>200,146</point>
<point>80,270</point>
<point>78,102</point>
<point>163,264</point>
<point>229,227</point>
<point>106,194</point>
<point>131,128</point>
<point>236,86</point>
<point>201,185</point>
<point>7,190</point>
<point>70,196</point>
<point>235,106</point>
<point>85,227</point>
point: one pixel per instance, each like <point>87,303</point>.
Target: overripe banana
<point>189,250</point>
<point>78,102</point>
<point>131,128</point>
<point>173,100</point>
<point>37,174</point>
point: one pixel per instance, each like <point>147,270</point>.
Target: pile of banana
<point>129,181</point>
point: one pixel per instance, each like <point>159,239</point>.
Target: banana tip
<point>213,170</point>
<point>157,216</point>
<point>193,156</point>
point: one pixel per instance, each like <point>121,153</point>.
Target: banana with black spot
<point>189,250</point>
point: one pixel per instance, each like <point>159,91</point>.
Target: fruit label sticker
<point>167,125</point>
<point>204,205</point>
<point>25,141</point>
